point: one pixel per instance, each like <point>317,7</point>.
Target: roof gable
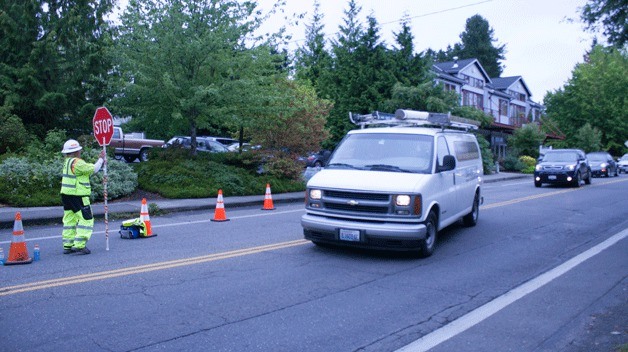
<point>454,67</point>
<point>504,83</point>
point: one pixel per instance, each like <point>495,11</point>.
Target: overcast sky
<point>544,38</point>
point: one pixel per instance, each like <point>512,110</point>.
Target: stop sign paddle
<point>103,126</point>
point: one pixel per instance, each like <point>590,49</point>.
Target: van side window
<point>466,150</point>
<point>441,150</point>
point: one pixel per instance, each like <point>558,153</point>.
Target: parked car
<point>318,159</point>
<point>226,141</point>
<point>130,147</point>
<point>563,166</point>
<point>602,164</point>
<point>245,147</point>
<point>622,164</point>
<point>203,144</point>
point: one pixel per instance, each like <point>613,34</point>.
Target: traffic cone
<point>18,253</point>
<point>219,214</point>
<point>268,199</point>
<point>145,218</point>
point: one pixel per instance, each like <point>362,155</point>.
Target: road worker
<point>78,220</point>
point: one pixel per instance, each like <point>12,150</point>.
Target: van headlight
<point>315,194</point>
<point>402,200</point>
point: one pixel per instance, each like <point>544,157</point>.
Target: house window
<point>449,87</point>
<point>503,107</point>
<point>518,96</point>
<point>474,82</point>
<point>472,99</point>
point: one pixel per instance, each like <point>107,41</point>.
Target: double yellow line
<point>40,285</point>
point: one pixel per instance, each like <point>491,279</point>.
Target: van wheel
<point>471,219</point>
<point>431,229</point>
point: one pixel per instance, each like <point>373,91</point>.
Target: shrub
<point>512,163</point>
<point>27,182</point>
<point>528,163</point>
<point>201,176</point>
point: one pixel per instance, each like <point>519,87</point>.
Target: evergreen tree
<point>409,68</point>
<point>313,60</point>
<point>342,85</point>
<point>54,61</point>
<point>612,16</point>
<point>477,43</point>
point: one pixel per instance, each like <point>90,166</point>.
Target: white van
<point>396,187</point>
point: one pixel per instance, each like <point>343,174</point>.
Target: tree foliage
<point>54,60</point>
<point>477,41</point>
<point>612,16</point>
<point>597,93</point>
<point>194,64</point>
<point>526,141</point>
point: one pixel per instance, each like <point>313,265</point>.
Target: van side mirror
<point>449,163</point>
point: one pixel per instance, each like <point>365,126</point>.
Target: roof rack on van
<point>413,118</point>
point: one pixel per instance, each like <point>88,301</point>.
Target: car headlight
<point>603,165</point>
<point>571,167</point>
<point>538,168</point>
<point>315,194</point>
<point>402,200</point>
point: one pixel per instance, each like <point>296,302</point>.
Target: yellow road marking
<point>549,194</point>
<point>40,285</point>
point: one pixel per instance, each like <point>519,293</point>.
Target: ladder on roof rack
<point>413,118</point>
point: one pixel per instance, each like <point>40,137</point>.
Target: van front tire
<point>428,243</point>
<point>471,219</point>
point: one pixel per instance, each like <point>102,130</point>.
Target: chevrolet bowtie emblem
<point>353,202</point>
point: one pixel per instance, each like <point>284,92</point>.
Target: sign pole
<point>104,180</point>
<point>103,131</point>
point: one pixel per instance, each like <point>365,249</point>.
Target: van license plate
<point>551,177</point>
<point>349,235</point>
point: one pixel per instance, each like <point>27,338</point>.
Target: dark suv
<point>563,166</point>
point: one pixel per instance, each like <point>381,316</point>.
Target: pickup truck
<point>131,148</point>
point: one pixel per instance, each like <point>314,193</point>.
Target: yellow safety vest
<point>75,180</point>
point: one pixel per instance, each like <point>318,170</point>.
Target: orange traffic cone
<point>145,218</point>
<point>18,253</point>
<point>219,214</point>
<point>268,199</point>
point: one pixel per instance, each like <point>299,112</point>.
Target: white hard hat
<point>71,146</point>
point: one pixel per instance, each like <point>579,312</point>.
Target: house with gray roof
<point>507,99</point>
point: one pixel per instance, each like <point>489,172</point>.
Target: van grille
<point>355,195</point>
<point>357,202</point>
<point>357,208</point>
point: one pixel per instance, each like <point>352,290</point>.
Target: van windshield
<point>385,152</point>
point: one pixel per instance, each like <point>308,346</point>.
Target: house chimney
<point>455,62</point>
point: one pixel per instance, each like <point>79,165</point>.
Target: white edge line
<point>478,315</point>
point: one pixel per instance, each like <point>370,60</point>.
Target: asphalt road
<point>544,270</point>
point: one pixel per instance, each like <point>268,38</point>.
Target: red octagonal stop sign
<point>103,126</point>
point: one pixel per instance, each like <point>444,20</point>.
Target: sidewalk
<point>37,215</point>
